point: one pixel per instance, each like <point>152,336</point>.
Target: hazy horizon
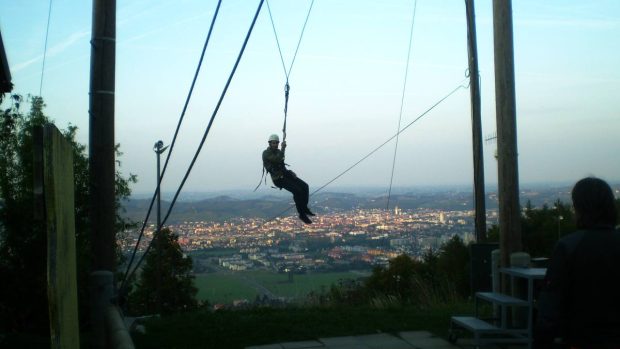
<point>346,87</point>
<point>267,191</point>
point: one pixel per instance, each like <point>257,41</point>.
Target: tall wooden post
<point>101,163</point>
<point>476,124</point>
<point>101,145</point>
<point>508,173</point>
<point>159,149</point>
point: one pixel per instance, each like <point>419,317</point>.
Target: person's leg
<point>304,192</point>
<point>292,186</point>
<point>298,194</point>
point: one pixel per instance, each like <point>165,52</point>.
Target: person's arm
<point>271,158</point>
<point>291,173</point>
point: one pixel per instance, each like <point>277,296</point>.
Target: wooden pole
<point>508,173</point>
<point>101,164</point>
<point>101,144</point>
<point>476,124</point>
<point>158,240</point>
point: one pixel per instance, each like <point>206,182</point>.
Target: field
<point>224,287</point>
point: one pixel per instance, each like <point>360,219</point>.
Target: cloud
<point>60,47</point>
<point>163,28</point>
<point>52,51</point>
<point>19,66</point>
<point>587,23</point>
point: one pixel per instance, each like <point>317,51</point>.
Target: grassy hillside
<point>226,287</point>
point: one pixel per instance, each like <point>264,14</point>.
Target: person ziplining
<point>273,157</point>
<point>283,178</point>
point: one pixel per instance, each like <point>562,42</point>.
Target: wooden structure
<point>507,155</point>
<point>54,207</point>
<point>5,74</point>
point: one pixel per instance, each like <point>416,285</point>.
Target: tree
<point>542,227</point>
<point>23,297</point>
<point>441,276</point>
<point>618,206</point>
<point>174,276</point>
<point>454,265</point>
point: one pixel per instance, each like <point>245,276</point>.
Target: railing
<point>109,329</point>
<point>117,334</point>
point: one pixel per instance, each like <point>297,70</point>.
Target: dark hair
<point>594,204</point>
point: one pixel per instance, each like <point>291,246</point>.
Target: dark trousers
<point>298,187</point>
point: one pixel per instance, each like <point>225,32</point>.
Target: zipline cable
<point>204,137</point>
<point>176,132</point>
<point>402,103</point>
<point>275,33</point>
<point>287,73</point>
<point>287,87</point>
<point>377,148</point>
<point>47,31</point>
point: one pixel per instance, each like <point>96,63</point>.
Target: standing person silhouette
<point>579,305</point>
<point>273,161</point>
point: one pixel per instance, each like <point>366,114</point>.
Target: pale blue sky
<point>346,86</point>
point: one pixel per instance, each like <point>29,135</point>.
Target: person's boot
<point>308,212</point>
<point>305,218</point>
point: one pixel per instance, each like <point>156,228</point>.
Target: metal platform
<point>501,329</point>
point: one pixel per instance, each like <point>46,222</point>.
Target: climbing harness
<point>261,179</point>
<point>263,176</point>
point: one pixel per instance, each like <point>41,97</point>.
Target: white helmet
<point>274,137</point>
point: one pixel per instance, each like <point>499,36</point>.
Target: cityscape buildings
<point>352,239</point>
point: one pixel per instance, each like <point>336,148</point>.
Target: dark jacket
<point>580,299</point>
<point>273,161</point>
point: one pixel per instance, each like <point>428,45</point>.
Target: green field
<point>228,286</point>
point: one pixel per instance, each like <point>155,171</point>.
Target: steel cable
<point>204,137</point>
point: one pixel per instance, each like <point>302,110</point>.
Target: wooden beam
<point>476,124</point>
<point>505,101</point>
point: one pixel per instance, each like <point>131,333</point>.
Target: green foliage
<point>493,233</point>
<point>454,264</point>
<point>397,280</point>
<point>166,282</point>
<point>439,277</point>
<point>618,209</point>
<point>541,227</point>
<point>23,297</point>
<point>346,292</point>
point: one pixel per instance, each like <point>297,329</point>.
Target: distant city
<point>335,241</point>
<point>350,231</point>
